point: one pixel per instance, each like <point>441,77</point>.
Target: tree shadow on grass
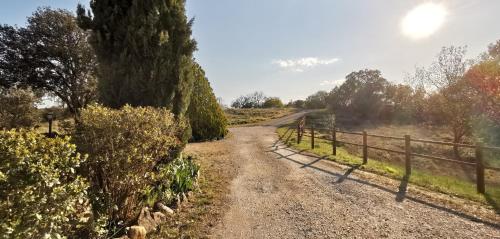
<point>289,136</point>
<point>400,195</point>
<point>493,202</point>
<point>283,136</point>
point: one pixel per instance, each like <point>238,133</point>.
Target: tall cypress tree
<point>145,52</point>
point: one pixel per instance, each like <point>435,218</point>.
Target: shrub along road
<point>278,193</point>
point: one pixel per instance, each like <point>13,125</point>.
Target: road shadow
<point>286,156</point>
<point>492,202</point>
<point>400,194</point>
<point>313,162</point>
<point>403,187</point>
<point>347,173</point>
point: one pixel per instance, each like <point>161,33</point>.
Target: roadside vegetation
<point>198,216</point>
<point>256,107</point>
<point>115,167</point>
<point>455,99</point>
<point>206,117</point>
<point>392,168</point>
<point>251,116</point>
<point>132,96</point>
<point>454,93</point>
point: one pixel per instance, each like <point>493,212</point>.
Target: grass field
<point>448,184</point>
<point>252,116</point>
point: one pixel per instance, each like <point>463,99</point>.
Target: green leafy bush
<point>182,174</point>
<point>40,193</point>
<point>126,148</point>
<point>205,114</point>
<point>177,177</point>
<point>18,108</point>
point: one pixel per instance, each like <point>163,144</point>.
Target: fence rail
<point>389,150</point>
<point>479,164</point>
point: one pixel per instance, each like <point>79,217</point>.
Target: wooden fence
<point>479,164</point>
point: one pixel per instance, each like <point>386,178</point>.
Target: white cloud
<point>301,64</point>
<point>332,82</point>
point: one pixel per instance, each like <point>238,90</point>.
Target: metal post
<point>407,155</point>
<point>50,127</point>
<point>479,170</point>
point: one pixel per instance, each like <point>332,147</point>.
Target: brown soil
<point>206,208</point>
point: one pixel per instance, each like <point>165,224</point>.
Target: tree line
<point>126,73</point>
<point>115,59</point>
<point>257,100</point>
<point>459,93</point>
<point>260,100</point>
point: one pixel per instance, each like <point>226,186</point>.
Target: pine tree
<point>144,50</point>
<point>205,114</point>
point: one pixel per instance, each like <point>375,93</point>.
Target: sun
<point>424,20</point>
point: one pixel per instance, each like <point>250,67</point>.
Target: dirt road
<point>278,193</point>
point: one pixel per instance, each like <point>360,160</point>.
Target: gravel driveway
<point>279,193</point>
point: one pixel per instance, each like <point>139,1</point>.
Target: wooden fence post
<point>312,136</point>
<point>479,169</point>
<point>298,133</point>
<point>365,148</point>
<point>303,127</point>
<point>334,140</point>
<point>407,156</point>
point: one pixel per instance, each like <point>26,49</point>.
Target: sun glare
<point>423,20</point>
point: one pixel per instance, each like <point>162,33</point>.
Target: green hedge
<point>206,117</point>
<point>132,160</point>
<point>171,180</point>
<point>126,148</point>
<point>40,193</point>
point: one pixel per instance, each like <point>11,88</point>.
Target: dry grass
<point>436,167</point>
<point>252,116</point>
<point>196,218</point>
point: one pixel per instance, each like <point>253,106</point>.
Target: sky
<point>293,48</point>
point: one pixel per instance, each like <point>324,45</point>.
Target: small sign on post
<point>50,118</point>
